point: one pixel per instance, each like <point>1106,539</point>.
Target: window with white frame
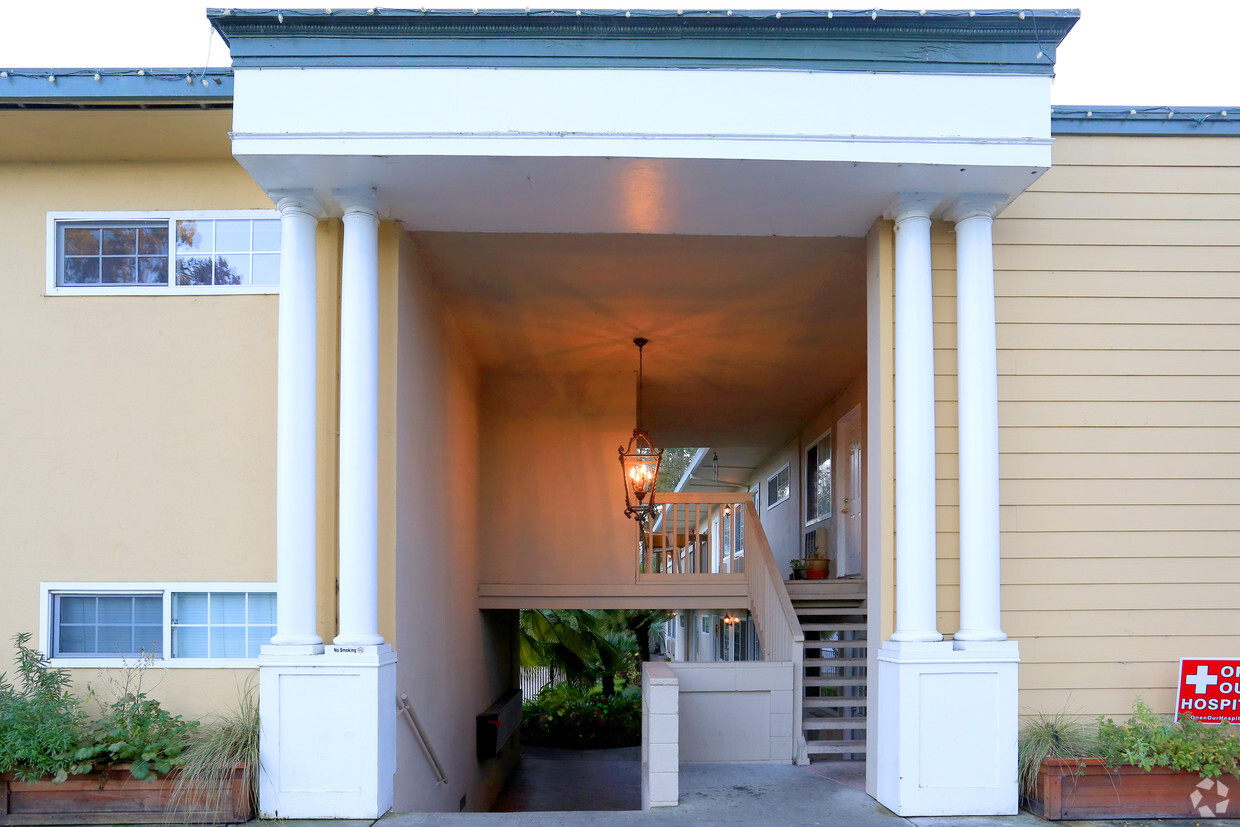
<point>779,486</point>
<point>181,624</point>
<point>179,252</point>
<point>818,480</point>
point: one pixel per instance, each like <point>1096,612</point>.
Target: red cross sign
<point>1209,689</point>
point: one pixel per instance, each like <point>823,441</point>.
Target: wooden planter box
<point>1087,789</point>
<point>112,797</point>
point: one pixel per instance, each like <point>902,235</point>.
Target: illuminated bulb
<point>98,77</point>
<point>1022,15</point>
<point>830,15</point>
<point>1089,113</point>
<point>6,74</point>
<point>280,18</point>
<point>579,12</point>
<point>1040,55</point>
<point>972,13</point>
<point>1132,111</point>
<point>778,15</point>
<point>1223,113</point>
<point>51,78</point>
<point>189,80</point>
<point>874,15</point>
<point>729,12</point>
<point>922,12</point>
<point>627,14</point>
<point>141,73</point>
<point>1170,113</point>
<point>204,82</point>
<point>370,11</point>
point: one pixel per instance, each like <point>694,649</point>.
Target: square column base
<point>328,739</point>
<point>947,728</point>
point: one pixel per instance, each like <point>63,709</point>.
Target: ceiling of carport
<point>749,336</point>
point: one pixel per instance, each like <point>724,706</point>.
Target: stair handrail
<point>404,708</point>
<point>770,606</point>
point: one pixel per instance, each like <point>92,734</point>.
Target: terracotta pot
<point>816,567</point>
<point>1086,788</point>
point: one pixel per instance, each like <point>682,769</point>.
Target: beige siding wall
<point>107,401</point>
<point>1118,302</point>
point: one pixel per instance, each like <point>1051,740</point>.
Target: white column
<point>978,420</point>
<point>295,425</point>
<point>359,422</point>
<point>914,409</point>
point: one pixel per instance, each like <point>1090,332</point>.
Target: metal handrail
<point>402,704</point>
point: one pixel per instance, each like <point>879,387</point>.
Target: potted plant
<point>816,568</point>
<point>798,568</point>
<point>1150,767</point>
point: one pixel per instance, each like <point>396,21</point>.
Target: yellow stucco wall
<point>138,432</point>
<point>1118,305</point>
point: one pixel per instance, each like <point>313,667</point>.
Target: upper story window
<point>818,480</point>
<point>163,253</point>
<point>779,486</point>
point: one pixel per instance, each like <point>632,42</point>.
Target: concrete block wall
<point>741,711</point>
<point>660,736</point>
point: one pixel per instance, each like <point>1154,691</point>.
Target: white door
<point>849,558</point>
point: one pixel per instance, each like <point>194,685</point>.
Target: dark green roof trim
<point>1145,120</point>
<point>111,87</point>
<point>1006,42</point>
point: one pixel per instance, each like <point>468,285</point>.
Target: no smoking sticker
<point>1209,689</point>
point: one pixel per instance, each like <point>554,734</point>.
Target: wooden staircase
<point>833,617</point>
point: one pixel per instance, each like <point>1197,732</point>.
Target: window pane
<point>77,640</point>
<point>263,607</point>
<point>193,270</point>
<point>148,639</point>
<point>152,270</point>
<point>234,269</point>
<point>148,609</point>
<point>189,642</point>
<point>232,236</point>
<point>119,241</point>
<point>77,610</point>
<point>116,640</point>
<point>81,242</point>
<point>265,269</point>
<point>116,610</point>
<point>259,636</point>
<point>227,607</point>
<point>153,242</point>
<point>195,236</point>
<point>118,271</point>
<point>81,271</point>
<point>189,607</point>
<point>228,642</point>
<point>267,235</point>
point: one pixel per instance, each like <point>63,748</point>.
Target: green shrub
<point>567,716</point>
<point>1151,740</point>
<point>134,729</point>
<point>40,719</point>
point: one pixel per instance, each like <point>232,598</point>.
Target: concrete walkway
<point>743,795</point>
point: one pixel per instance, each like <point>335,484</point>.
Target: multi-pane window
<point>113,625</point>
<point>818,480</point>
<point>222,624</point>
<point>168,622</point>
<point>779,486</point>
<point>232,251</point>
<point>180,252</point>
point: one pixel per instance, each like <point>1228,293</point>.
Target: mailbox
<point>498,724</point>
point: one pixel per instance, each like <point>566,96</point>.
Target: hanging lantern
<point>640,462</point>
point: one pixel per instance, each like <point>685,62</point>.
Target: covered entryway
<point>522,194</point>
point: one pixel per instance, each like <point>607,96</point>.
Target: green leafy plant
<point>1150,740</point>
<point>566,715</point>
<point>1052,735</point>
<point>40,719</point>
<point>799,564</point>
<point>227,739</point>
<point>133,728</point>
